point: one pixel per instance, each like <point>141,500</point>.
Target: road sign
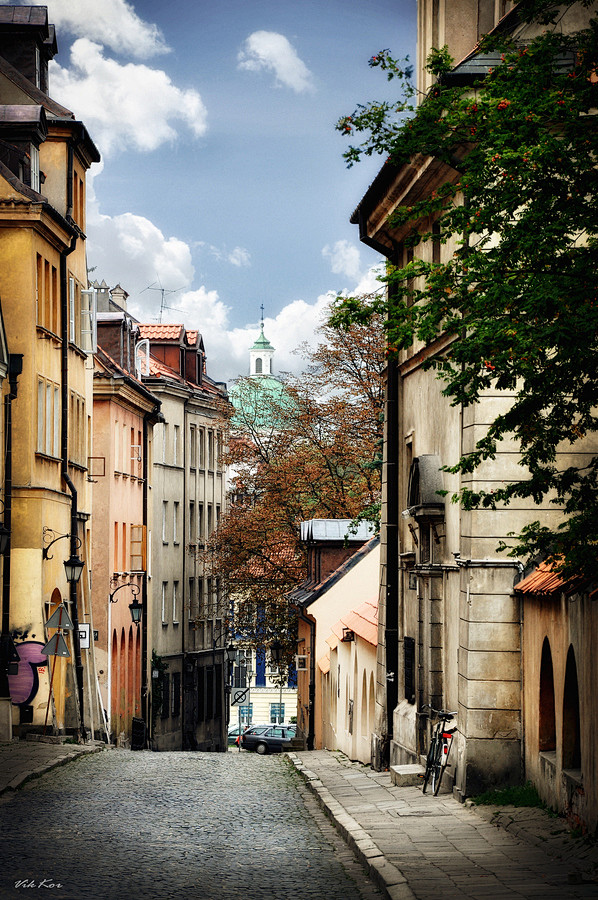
<point>238,696</point>
<point>60,619</point>
<point>56,646</point>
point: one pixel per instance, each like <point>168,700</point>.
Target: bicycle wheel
<point>437,770</point>
<point>429,763</point>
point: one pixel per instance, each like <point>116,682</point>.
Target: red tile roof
<point>324,664</point>
<point>161,332</point>
<point>363,621</point>
<point>546,580</point>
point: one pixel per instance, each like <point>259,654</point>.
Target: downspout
<point>391,630</point>
<point>15,367</point>
<point>145,470</point>
<point>311,732</point>
<point>183,450</point>
<point>65,455</point>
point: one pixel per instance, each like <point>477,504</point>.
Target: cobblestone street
<point>174,825</point>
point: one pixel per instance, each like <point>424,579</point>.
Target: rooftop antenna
<point>163,291</point>
<point>262,309</point>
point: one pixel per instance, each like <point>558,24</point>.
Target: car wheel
<point>262,749</point>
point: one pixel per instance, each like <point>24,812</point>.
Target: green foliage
<point>519,795</point>
<point>517,201</point>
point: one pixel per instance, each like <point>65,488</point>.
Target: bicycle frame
<point>439,749</point>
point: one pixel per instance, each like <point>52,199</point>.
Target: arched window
<point>571,732</point>
<point>547,724</point>
<point>258,365</point>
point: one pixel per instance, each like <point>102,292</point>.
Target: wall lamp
<point>72,566</point>
<point>135,607</point>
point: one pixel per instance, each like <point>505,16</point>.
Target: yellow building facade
<point>49,318</point>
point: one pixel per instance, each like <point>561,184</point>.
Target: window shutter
<point>89,328</point>
<point>138,548</point>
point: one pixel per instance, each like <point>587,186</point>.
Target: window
<point>46,294</point>
<point>242,664</point>
<point>48,418</point>
<point>209,531</point>
<point>34,157</point>
<point>164,588</point>
<point>192,522</point>
<point>77,430</point>
<point>175,446</point>
<point>165,695</point>
<point>193,446</point>
<point>200,533</point>
<point>210,450</point>
<point>138,548</point>
<point>192,599</point>
<point>175,522</point>
<point>176,694</point>
<point>89,327</point>
<point>246,713</point>
<point>202,448</point>
<point>200,599</point>
<point>277,713</point>
<point>409,668</point>
<point>164,521</point>
<point>72,311</point>
<point>175,603</point>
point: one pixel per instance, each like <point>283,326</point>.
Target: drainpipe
<point>15,367</point>
<point>144,706</point>
<point>391,630</point>
<point>311,733</point>
<point>64,303</point>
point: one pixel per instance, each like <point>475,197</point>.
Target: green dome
<point>259,401</point>
<point>262,342</point>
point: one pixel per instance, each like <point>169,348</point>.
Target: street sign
<point>60,619</point>
<point>56,646</point>
<point>238,696</point>
<point>84,634</point>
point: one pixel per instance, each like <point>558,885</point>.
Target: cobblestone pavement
<point>163,826</point>
<point>429,848</point>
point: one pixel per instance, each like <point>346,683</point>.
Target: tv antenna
<point>163,292</point>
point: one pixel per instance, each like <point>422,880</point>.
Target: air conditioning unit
<point>301,662</point>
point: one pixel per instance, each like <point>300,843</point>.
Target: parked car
<point>267,739</point>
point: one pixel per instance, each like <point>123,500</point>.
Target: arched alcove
<point>546,721</point>
<point>571,732</point>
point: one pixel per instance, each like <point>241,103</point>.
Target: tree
<point>520,294</point>
<point>309,450</point>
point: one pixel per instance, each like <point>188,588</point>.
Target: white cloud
<point>239,257</point>
<point>112,22</point>
<point>130,250</point>
<point>125,106</point>
<point>274,53</point>
<point>344,259</point>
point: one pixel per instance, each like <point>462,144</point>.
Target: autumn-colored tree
<point>519,293</point>
<point>310,447</point>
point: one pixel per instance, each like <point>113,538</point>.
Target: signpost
<point>56,646</point>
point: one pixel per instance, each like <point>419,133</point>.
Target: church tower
<point>260,355</point>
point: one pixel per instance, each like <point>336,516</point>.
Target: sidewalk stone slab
<point>403,776</point>
<point>440,848</point>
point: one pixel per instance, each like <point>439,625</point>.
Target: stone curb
<point>383,873</point>
<point>19,780</point>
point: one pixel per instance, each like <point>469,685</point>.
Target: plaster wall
<point>565,626</point>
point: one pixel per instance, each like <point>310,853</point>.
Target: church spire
<point>262,352</point>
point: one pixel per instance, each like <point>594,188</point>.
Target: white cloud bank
<point>344,259</point>
<point>113,23</point>
<point>273,52</point>
<point>124,106</point>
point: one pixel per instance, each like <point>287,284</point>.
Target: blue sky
<point>222,179</point>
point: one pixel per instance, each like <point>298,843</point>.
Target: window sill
<point>47,457</point>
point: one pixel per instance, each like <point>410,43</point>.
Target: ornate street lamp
<point>73,568</point>
<point>136,608</point>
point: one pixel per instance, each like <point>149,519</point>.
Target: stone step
<point>407,776</point>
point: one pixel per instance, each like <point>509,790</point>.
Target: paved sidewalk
<point>22,760</point>
<point>419,846</point>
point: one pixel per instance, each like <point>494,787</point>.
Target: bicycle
<point>439,749</point>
